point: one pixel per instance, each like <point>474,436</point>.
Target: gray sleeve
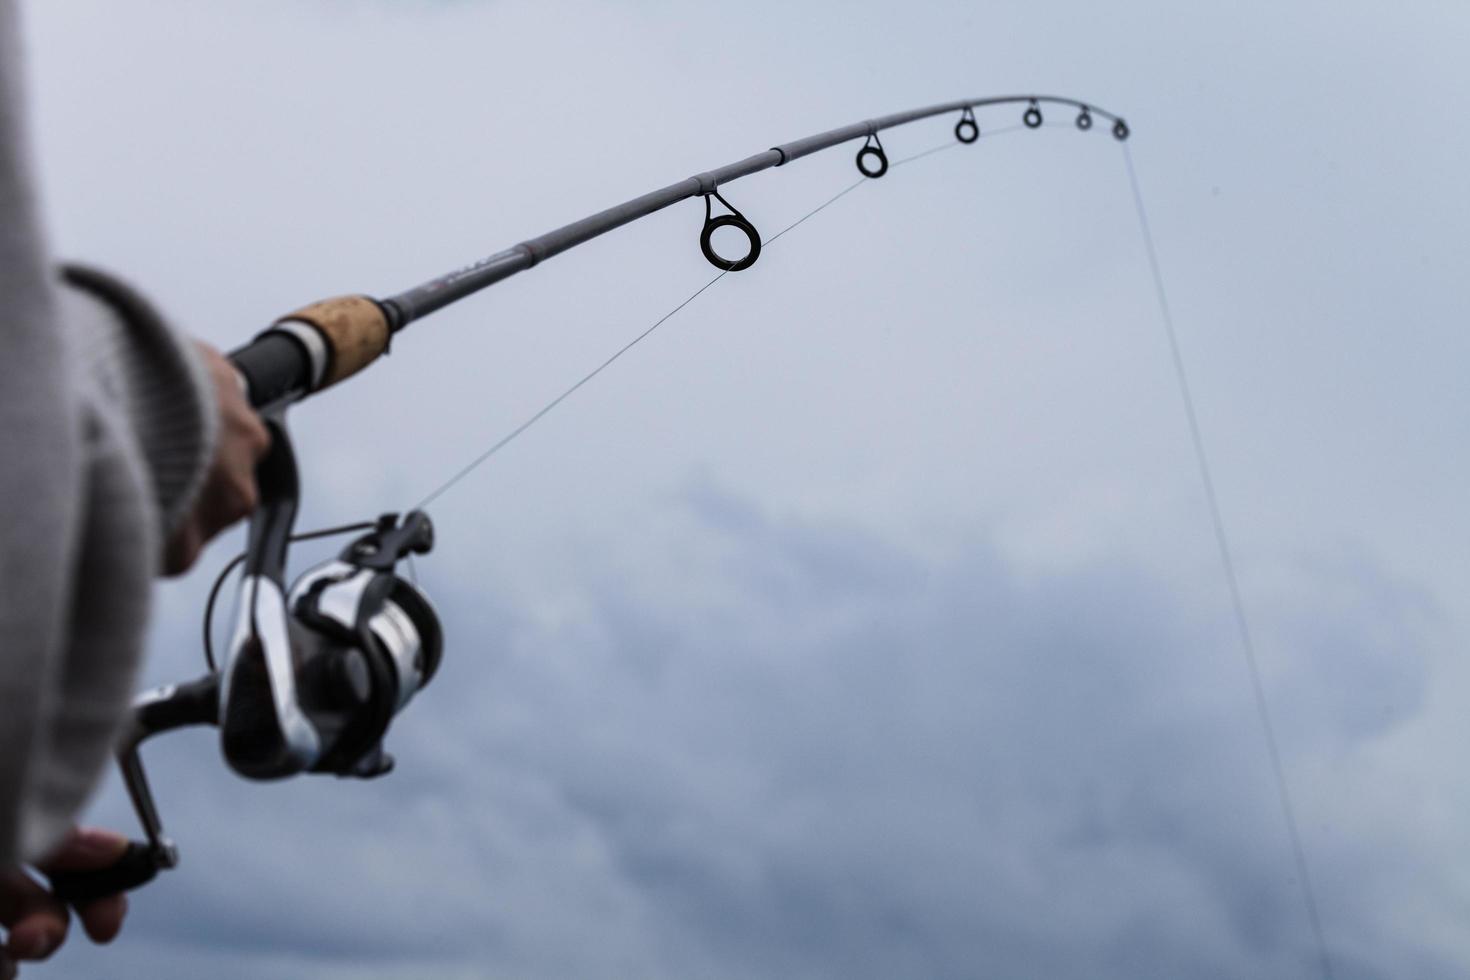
<point>146,426</point>
<point>105,435</point>
<point>41,479</point>
<point>153,378</point>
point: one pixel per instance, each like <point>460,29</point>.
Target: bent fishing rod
<point>329,341</point>
<point>314,674</point>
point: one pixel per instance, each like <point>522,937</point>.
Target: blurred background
<point>865,621</point>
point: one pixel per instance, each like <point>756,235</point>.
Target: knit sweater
<point>106,430</point>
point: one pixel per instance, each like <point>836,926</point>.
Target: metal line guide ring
<point>732,220</point>
<point>1032,117</point>
<point>1084,119</point>
<point>967,130</point>
<point>872,148</point>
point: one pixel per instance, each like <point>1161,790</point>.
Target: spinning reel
<point>312,678</point>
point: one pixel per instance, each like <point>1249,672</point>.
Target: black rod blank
<point>438,293</point>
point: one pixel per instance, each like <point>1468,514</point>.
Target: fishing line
<point>540,414</point>
<point>924,153</point>
<point>1227,561</point>
<point>316,673</point>
<point>1241,619</point>
<point>511,436</point>
<point>830,201</point>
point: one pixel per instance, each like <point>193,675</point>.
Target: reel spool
<point>362,642</point>
<point>309,685</point>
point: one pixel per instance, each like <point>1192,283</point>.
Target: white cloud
<point>973,696</point>
<point>771,746</point>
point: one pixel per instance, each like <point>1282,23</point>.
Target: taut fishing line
<point>1232,580</point>
<point>314,674</point>
<point>1237,602</point>
<point>546,409</point>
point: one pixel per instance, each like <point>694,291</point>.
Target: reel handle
<point>139,864</point>
<point>161,710</point>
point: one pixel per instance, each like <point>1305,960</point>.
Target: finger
<point>39,934</point>
<point>255,435</point>
<point>226,499</point>
<point>243,443</point>
<point>93,849</point>
<point>103,919</point>
<point>183,548</point>
<point>239,422</point>
<point>36,920</point>
<point>240,495</point>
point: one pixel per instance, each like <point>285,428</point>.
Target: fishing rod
<point>315,673</point>
<point>331,340</point>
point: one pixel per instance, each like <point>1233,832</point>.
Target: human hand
<point>229,492</point>
<point>37,920</point>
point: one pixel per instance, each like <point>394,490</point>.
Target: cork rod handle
<point>317,346</point>
<point>356,331</point>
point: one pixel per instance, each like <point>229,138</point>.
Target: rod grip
<point>356,330</point>
<point>276,367</point>
<point>317,346</point>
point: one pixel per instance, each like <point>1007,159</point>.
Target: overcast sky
<point>865,621</point>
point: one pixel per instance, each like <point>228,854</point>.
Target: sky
<point>866,620</point>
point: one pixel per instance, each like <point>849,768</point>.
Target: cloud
<point>771,746</point>
<point>712,740</point>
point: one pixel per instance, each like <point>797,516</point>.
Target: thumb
<point>86,849</point>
